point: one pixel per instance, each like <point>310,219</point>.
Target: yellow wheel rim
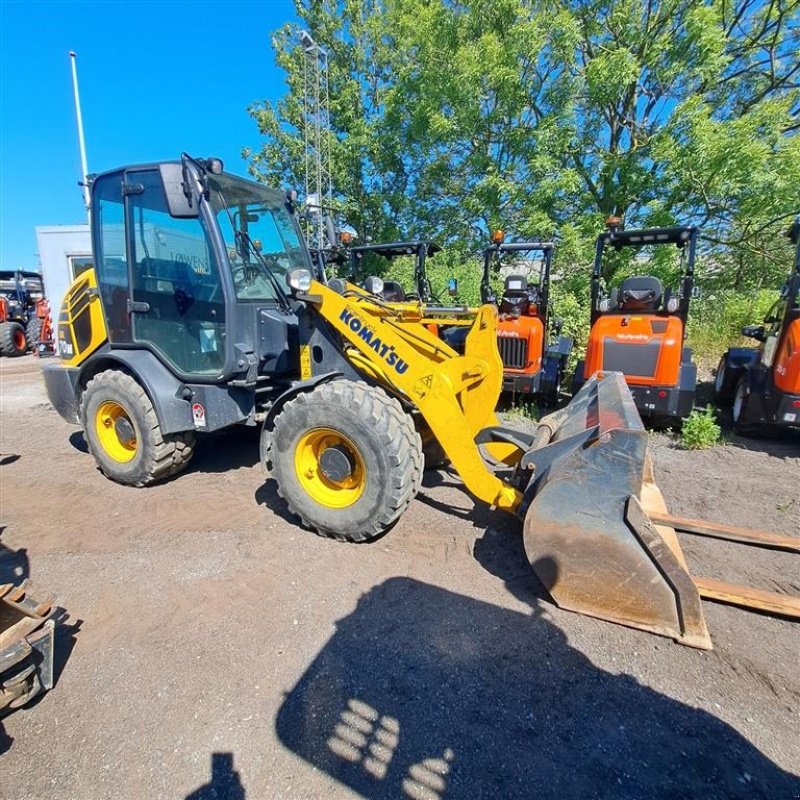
<point>322,488</point>
<point>112,423</point>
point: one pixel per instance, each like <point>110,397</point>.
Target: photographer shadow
<point>425,693</point>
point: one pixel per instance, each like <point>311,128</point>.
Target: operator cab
<point>191,265</point>
<point>639,327</point>
<point>533,352</point>
<point>393,292</point>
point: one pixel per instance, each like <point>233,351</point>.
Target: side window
<point>112,266</point>
<point>79,264</point>
<point>176,278</point>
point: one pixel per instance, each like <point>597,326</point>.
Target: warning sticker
<point>423,385</point>
<point>199,414</point>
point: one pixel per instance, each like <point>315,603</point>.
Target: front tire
<point>346,459</point>
<point>122,430</point>
<point>12,340</point>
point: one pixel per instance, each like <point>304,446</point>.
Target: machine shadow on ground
<point>225,783</point>
<point>427,694</point>
<point>230,449</point>
<point>14,564</point>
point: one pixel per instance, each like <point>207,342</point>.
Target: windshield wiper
<point>280,293</point>
<point>282,297</point>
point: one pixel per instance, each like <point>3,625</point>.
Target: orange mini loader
<point>533,352</point>
<point>639,329</point>
<point>763,383</point>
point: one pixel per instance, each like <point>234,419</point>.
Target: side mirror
<point>178,204</point>
<point>757,332</point>
<point>452,287</point>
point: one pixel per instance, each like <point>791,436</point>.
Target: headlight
<point>374,285</point>
<point>604,305</point>
<point>299,280</point>
<point>672,305</point>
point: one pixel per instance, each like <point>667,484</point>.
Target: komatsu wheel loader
<point>762,383</point>
<point>202,313</point>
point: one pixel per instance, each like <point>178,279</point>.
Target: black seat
<point>393,292</point>
<point>640,293</point>
<point>517,295</point>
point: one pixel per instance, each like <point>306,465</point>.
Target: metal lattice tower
<point>316,140</point>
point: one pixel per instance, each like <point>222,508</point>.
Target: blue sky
<point>155,77</point>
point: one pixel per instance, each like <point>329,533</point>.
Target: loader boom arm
<point>456,394</point>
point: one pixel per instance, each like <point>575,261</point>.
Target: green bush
<point>573,309</point>
<point>700,430</point>
<point>716,320</point>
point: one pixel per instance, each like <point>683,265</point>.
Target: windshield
<point>259,233</point>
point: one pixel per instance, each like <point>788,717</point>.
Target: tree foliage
<point>450,117</point>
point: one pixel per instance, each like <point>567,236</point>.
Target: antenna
<point>316,142</point>
<point>81,141</point>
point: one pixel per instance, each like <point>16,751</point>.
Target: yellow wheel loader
<point>202,313</point>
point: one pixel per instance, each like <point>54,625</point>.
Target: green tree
<point>451,118</point>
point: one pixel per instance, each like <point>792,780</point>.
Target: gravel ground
<point>213,649</point>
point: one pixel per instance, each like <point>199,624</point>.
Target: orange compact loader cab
<point>639,328</point>
<point>763,383</point>
<point>392,291</point>
<point>533,352</point>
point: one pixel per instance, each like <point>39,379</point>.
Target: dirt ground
<point>213,649</point>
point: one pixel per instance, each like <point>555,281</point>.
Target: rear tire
<point>33,332</point>
<point>739,409</point>
<point>376,441</point>
<point>12,340</point>
<point>724,384</point>
<point>121,428</point>
<point>551,397</point>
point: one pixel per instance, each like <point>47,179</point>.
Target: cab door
<point>177,302</point>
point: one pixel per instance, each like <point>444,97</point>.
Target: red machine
<point>21,293</point>
<point>763,383</point>
<point>534,353</point>
<point>639,329</point>
<point>47,344</point>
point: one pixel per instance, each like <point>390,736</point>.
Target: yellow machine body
<point>81,323</point>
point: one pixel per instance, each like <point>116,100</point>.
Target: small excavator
<point>534,353</point>
<point>762,383</point>
<point>639,329</point>
<point>206,314</point>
